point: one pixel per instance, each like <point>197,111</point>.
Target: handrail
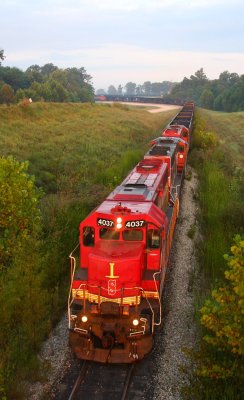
<point>72,272</point>
<point>159,299</point>
<point>174,197</point>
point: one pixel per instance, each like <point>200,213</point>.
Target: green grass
<point>230,130</point>
<point>65,143</point>
<point>220,172</point>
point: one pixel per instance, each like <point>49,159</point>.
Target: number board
<point>105,222</point>
<point>135,223</point>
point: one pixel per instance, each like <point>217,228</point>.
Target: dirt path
<point>156,108</point>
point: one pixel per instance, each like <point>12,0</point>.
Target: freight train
<point>118,277</point>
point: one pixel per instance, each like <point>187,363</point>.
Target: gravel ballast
<point>178,324</point>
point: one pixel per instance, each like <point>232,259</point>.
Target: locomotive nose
<point>116,263</point>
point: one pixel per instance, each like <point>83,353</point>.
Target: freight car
<point>116,288</point>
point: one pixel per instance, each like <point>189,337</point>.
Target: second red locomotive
<point>116,290</point>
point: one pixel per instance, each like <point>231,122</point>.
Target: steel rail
<point>127,381</point>
<point>84,369</point>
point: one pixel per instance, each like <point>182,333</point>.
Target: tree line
<point>50,83</point>
<point>46,83</point>
<point>223,94</point>
<point>146,89</point>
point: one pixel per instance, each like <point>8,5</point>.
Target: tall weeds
<point>219,196</point>
<point>221,217</point>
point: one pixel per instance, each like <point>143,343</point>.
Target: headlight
<point>119,223</point>
<point>84,318</point>
<point>135,322</point>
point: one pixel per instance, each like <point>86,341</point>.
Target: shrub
<point>219,363</point>
<point>222,314</point>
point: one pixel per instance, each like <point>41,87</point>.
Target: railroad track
<point>81,378</point>
<point>100,382</point>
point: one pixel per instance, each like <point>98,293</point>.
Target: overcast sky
<point>117,41</point>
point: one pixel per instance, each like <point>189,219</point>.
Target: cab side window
<point>153,239</point>
<point>88,236</point>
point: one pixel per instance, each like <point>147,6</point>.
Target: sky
<point>118,41</point>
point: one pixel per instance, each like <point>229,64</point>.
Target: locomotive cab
<point>178,131</point>
<point>166,147</point>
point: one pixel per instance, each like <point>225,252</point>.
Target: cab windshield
<point>109,234</point>
<point>132,235</point>
<point>127,235</point>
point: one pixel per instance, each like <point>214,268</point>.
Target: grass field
<point>218,157</point>
<point>67,144</point>
<point>230,130</point>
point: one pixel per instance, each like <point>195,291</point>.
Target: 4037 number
<point>105,222</point>
<point>135,224</point>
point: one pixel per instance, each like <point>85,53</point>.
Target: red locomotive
<point>116,290</point>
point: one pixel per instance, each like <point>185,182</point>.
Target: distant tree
<point>78,76</point>
<point>199,75</point>
<point>1,55</point>
<point>120,90</point>
<point>234,78</point>
<point>79,84</point>
<point>33,74</point>
<point>100,92</point>
<point>228,78</point>
<point>14,77</point>
<point>207,99</point>
<point>218,103</point>
<point>130,88</point>
<point>224,76</point>
<point>48,69</point>
<point>112,90</point>
<point>139,90</point>
<point>56,91</point>
<point>34,67</point>
<point>86,94</point>
<point>6,94</point>
<point>147,88</point>
<point>61,76</point>
<point>239,93</point>
<point>20,95</point>
<point>156,88</point>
